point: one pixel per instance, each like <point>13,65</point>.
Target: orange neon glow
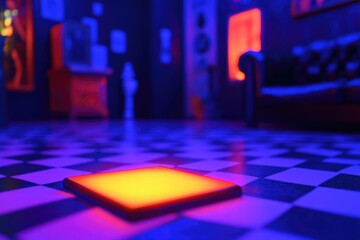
<point>7,22</point>
<point>7,29</point>
<point>244,34</point>
<point>7,32</point>
<point>149,187</point>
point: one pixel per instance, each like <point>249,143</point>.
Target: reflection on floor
<point>297,185</point>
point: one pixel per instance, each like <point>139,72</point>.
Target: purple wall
<point>167,85</point>
<point>160,92</point>
<point>131,16</point>
<point>280,33</point>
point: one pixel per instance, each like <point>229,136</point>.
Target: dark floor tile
<point>97,155</point>
<point>316,224</point>
<point>254,170</point>
<point>165,151</point>
<point>21,168</point>
<point>349,156</point>
<point>335,167</point>
<point>95,167</point>
<point>185,228</point>
<point>31,157</point>
<point>14,222</point>
<point>8,183</point>
<point>56,185</point>
<point>40,148</point>
<point>276,190</point>
<point>343,181</point>
<point>305,156</point>
<point>100,146</point>
<point>173,160</point>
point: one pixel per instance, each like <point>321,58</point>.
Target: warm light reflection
<point>244,34</point>
<point>7,13</point>
<point>147,187</point>
<point>7,22</point>
<point>6,28</point>
<point>14,12</point>
<point>237,150</point>
<point>7,32</point>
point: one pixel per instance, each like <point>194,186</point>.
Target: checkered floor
<point>297,185</point>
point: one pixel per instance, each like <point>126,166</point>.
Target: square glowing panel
<point>146,192</point>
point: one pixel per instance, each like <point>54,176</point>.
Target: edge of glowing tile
<point>156,209</point>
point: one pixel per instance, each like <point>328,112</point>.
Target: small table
<point>79,91</point>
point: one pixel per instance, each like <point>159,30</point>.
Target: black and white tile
<point>296,185</point>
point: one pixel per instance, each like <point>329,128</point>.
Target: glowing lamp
<point>7,13</point>
<point>6,29</point>
<point>147,192</point>
<point>14,12</point>
<point>7,22</point>
<point>7,32</point>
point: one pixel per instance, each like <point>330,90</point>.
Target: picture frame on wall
<point>18,51</point>
<point>300,8</point>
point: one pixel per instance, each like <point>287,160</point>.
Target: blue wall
<point>131,16</point>
<point>281,31</point>
<point>160,93</point>
<point>167,78</point>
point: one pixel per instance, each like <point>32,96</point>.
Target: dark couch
<point>315,83</point>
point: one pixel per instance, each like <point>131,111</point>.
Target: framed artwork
<point>301,8</point>
<point>17,28</point>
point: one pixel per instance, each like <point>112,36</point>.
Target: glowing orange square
<point>244,34</point>
<point>146,192</point>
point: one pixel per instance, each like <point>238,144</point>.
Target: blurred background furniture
<point>78,83</point>
<point>315,83</point>
<point>79,93</point>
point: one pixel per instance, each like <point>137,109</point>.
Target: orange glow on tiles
<point>244,34</point>
<point>148,187</point>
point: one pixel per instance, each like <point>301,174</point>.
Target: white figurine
<point>130,86</point>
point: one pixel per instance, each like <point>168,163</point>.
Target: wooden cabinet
<point>79,92</point>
